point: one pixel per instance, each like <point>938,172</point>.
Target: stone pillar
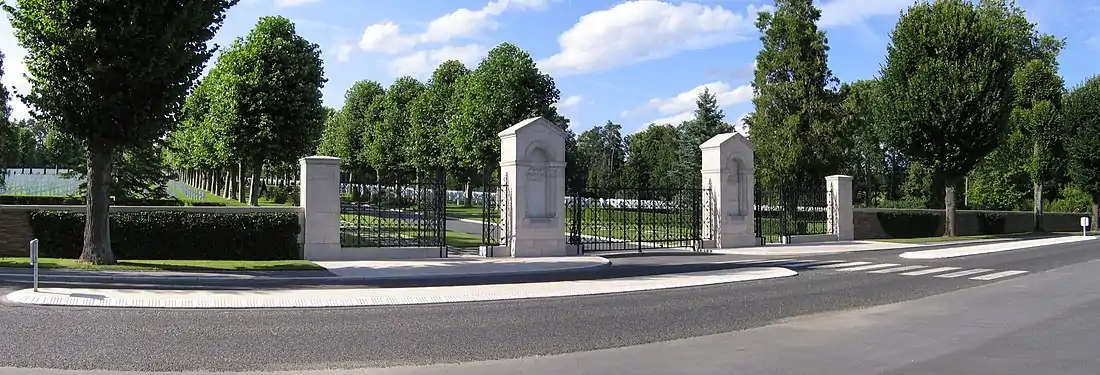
<point>841,221</point>
<point>320,200</point>
<point>729,211</point>
<point>532,165</point>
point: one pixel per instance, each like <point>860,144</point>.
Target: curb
<point>367,297</point>
<point>990,248</point>
<point>246,278</point>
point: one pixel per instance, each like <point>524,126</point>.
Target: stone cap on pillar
<point>533,122</point>
<point>723,139</point>
<point>320,160</point>
<point>838,177</point>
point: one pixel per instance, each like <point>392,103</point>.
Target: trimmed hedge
<point>166,235</point>
<point>910,224</point>
<point>37,200</point>
<point>991,223</point>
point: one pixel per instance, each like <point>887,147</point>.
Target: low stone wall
<point>16,231</point>
<point>868,224</point>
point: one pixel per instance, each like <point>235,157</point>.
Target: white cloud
<point>421,64</point>
<point>645,30</point>
<point>681,107</point>
<point>293,3</point>
<point>343,52</point>
<point>570,102</point>
<point>387,36</point>
<point>14,70</point>
<point>838,13</point>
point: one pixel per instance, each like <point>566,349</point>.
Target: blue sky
<point>632,62</point>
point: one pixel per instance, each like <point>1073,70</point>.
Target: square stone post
<point>729,211</point>
<point>532,165</point>
<point>320,200</point>
<point>841,221</point>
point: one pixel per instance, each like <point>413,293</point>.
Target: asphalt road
<point>175,340</point>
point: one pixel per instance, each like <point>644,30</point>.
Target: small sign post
<point>1085,222</point>
<point>34,261</point>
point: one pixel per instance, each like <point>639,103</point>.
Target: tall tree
<point>794,125</point>
<point>708,122</point>
<point>602,151</point>
<point>113,74</point>
<point>270,102</point>
<point>878,170</point>
<point>349,130</point>
<point>947,91</point>
<point>506,88</point>
<point>1082,118</point>
<point>652,157</point>
<point>7,132</point>
<point>1038,105</point>
<point>389,139</point>
<point>430,114</point>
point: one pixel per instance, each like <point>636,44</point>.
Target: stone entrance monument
<point>532,164</point>
<point>728,213</point>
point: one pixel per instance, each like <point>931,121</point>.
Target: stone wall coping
<point>940,210</point>
<point>193,209</point>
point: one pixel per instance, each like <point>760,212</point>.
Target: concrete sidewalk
<point>816,248</point>
<point>344,271</point>
<point>305,298</point>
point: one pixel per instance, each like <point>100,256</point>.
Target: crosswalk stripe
<point>997,275</point>
<point>769,261</point>
<point>841,265</point>
<point>964,273</point>
<point>868,267</point>
<point>801,263</point>
<point>899,269</point>
<point>930,271</point>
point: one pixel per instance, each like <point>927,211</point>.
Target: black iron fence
<point>636,218</point>
<point>394,214</point>
<point>790,211</point>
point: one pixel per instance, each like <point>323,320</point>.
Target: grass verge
<point>167,265</point>
<point>962,238</point>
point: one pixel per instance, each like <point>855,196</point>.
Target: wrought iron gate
<point>787,211</point>
<point>394,213</point>
<point>634,218</point>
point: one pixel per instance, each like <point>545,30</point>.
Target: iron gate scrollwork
<point>635,218</point>
<point>394,212</point>
<point>787,211</point>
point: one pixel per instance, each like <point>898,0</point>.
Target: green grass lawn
<point>393,232</point>
<point>167,265</point>
<point>462,212</point>
<point>960,238</point>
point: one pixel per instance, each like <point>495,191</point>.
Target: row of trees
<point>967,89</point>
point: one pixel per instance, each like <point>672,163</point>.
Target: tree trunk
<point>97,233</point>
<point>1037,189</point>
<point>949,208</point>
<point>241,197</point>
<point>1095,215</point>
<point>254,189</point>
<point>228,190</point>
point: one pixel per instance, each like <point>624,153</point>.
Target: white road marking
<point>869,267</point>
<point>899,269</point>
<point>801,263</point>
<point>841,265</point>
<point>964,273</point>
<point>770,261</point>
<point>929,271</point>
<point>997,275</point>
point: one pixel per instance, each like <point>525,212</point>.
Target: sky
<point>630,62</point>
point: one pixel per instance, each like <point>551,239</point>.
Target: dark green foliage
<point>991,223</point>
<point>1082,115</point>
<point>911,224</point>
<point>506,88</point>
<point>794,127</point>
<point>385,152</point>
<point>708,122</point>
<point>602,152</point>
<point>427,145</point>
<point>651,157</point>
<point>37,200</point>
<point>166,235</point>
<point>946,89</point>
<point>271,98</point>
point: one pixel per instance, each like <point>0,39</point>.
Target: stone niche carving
<point>537,193</point>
